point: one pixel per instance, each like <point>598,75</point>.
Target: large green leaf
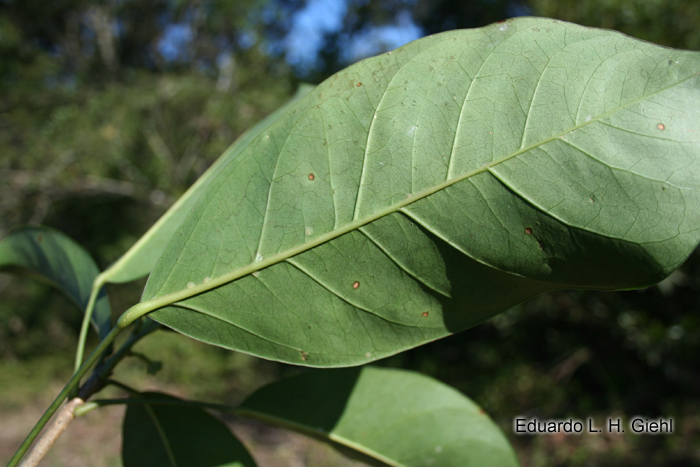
<point>419,192</point>
<point>400,418</point>
<point>161,435</point>
<point>48,255</point>
<point>140,259</point>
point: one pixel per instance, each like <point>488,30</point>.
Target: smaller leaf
<point>395,417</point>
<point>140,259</point>
<point>161,435</point>
<point>51,256</point>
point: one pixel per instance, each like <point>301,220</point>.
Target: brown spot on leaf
<point>358,84</point>
<point>312,177</point>
<point>304,356</point>
<point>528,231</point>
<point>355,284</point>
<point>661,126</point>
<point>425,314</point>
<point>481,412</point>
<point>40,238</point>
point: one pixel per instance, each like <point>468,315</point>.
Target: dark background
<point>110,110</point>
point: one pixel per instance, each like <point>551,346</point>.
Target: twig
<point>61,422</point>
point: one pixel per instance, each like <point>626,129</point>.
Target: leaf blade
<point>292,257</point>
<point>396,417</point>
<point>143,255</point>
<point>49,255</point>
<point>176,436</point>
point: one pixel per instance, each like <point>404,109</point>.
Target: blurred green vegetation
<point>100,132</point>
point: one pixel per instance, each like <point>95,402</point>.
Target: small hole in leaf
<point>312,177</point>
<point>540,245</point>
<point>528,231</point>
<point>661,126</point>
<point>355,284</point>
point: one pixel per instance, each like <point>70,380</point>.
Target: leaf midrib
<point>161,434</point>
<point>315,432</point>
<point>344,440</point>
<point>143,308</point>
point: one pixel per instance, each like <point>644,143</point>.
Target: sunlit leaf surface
<point>419,192</point>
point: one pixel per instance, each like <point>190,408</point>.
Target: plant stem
<point>63,419</point>
<point>106,368</point>
<point>72,384</point>
<point>92,405</point>
<point>123,387</point>
<point>80,352</point>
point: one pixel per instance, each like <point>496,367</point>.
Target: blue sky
<point>319,18</point>
<point>309,27</point>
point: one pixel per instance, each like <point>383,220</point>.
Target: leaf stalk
<point>80,352</point>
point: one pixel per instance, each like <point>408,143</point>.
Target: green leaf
<point>161,435</point>
<point>400,418</point>
<point>50,256</point>
<point>140,259</point>
<point>420,192</point>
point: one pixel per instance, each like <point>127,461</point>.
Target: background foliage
<point>110,110</point>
